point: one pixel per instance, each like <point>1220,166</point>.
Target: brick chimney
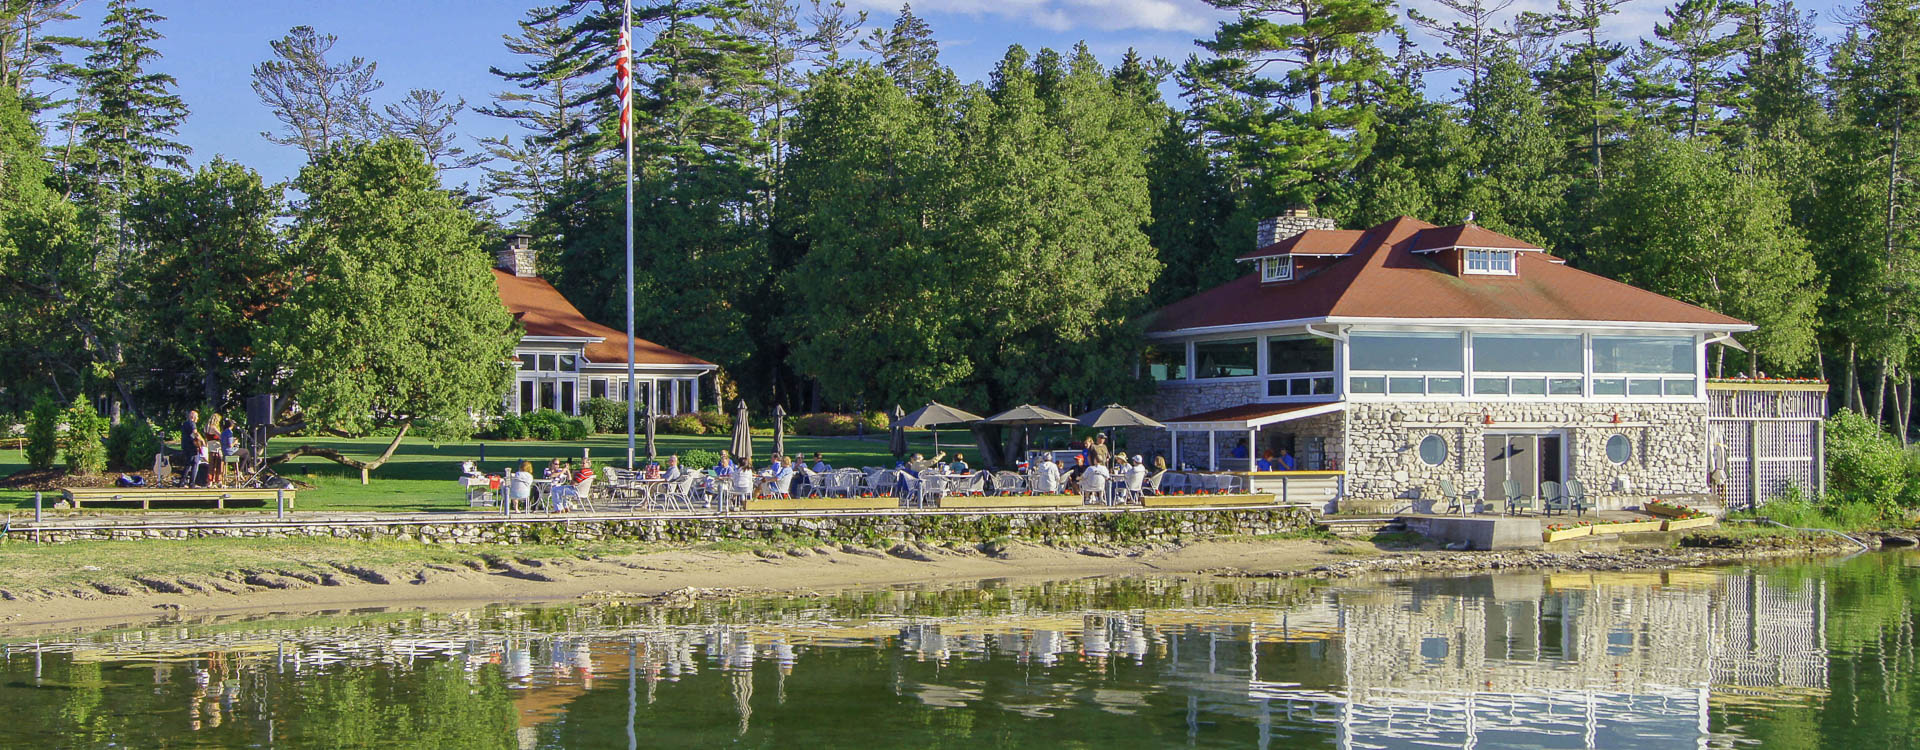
<point>1297,218</point>
<point>516,256</point>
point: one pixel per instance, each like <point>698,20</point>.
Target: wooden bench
<point>146,497</point>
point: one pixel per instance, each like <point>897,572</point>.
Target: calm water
<point>1792,656</point>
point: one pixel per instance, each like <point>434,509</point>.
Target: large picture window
<point>1277,268</point>
<point>1231,358</point>
<point>1299,353</point>
<point>1166,361</point>
<point>1490,261</point>
<point>1644,354</point>
<point>1404,352</point>
<point>1527,353</point>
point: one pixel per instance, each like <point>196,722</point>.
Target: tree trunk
<point>1880,394</point>
<point>1853,381</point>
<point>339,458</point>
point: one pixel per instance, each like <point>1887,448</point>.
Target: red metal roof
<point>544,311</point>
<point>1385,279</point>
<point>1465,235</point>
<point>1310,242</point>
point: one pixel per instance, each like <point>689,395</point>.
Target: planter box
<point>1010,501</point>
<point>1201,501</point>
<point>1676,524</point>
<point>1563,534</point>
<point>1628,527</point>
<point>1659,511</point>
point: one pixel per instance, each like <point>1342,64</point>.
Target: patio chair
<point>1093,488</point>
<point>933,486</point>
<point>1576,496</point>
<point>1517,497</point>
<point>1153,482</point>
<point>1135,487</point>
<point>783,487</point>
<point>1552,498</point>
<point>1041,484</point>
<point>1008,483</point>
<point>971,484</point>
<point>847,482</point>
<point>583,492</point>
<point>679,495</point>
<point>1451,494</point>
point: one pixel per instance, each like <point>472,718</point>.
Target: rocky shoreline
<point>1699,551</point>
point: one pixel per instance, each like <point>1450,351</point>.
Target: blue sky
<point>211,46</point>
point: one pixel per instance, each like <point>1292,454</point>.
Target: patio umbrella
<point>647,414</point>
<point>1026,416</point>
<point>897,433</point>
<point>935,414</point>
<point>742,447</point>
<point>779,430</point>
<point>1115,415</point>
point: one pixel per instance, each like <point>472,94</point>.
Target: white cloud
<point>1185,16</point>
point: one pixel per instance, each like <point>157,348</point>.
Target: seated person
<point>1094,480</point>
<point>520,484</point>
<point>1285,463</point>
<point>741,479</point>
<point>1137,474</point>
<point>1265,463</point>
<point>820,465</point>
<point>725,467</point>
<point>673,470</point>
<point>959,465</point>
<point>1048,475</point>
<point>468,470</point>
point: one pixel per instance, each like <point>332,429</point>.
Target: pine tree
<point>550,93</point>
<point>1697,41</point>
<point>1587,107</point>
<point>28,54</point>
<point>907,51</point>
<point>426,119</point>
<point>126,115</point>
<point>1290,89</point>
<point>1471,38</point>
<point>320,103</point>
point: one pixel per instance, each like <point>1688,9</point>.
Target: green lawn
<point>420,477</point>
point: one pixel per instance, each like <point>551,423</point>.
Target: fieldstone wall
<point>1385,473</point>
<point>1115,527</point>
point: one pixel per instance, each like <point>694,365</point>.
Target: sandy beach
<point>309,587</point>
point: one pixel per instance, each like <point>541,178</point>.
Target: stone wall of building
<point>1175,400</point>
<point>1384,470</point>
<point>1070,526</point>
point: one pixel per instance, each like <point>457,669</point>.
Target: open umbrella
<point>742,447</point>
<point>1114,415</point>
<point>1026,416</point>
<point>779,430</point>
<point>897,433</point>
<point>935,414</point>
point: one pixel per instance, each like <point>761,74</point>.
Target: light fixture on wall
<point>1486,418</point>
<point>1616,417</point>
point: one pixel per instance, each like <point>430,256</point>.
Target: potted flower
<point>1568,530</point>
<point>1627,527</point>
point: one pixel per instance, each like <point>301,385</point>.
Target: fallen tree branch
<point>341,458</point>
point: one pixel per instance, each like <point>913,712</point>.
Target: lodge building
<point>563,358</point>
<point>1408,353</point>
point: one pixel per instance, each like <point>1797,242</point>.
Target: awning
<point>1250,416</point>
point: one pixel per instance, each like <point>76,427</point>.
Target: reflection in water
<point>1695,658</point>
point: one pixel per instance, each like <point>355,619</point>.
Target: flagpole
<point>626,127</point>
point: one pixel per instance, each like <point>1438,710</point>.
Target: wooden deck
<point>147,496</point>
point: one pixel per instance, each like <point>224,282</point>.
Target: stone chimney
<point>1295,219</point>
<point>516,256</point>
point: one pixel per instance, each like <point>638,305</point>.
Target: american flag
<point>625,84</point>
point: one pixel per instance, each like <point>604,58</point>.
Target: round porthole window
<point>1433,450</point>
<point>1619,449</point>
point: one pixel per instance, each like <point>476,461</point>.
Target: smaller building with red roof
<point>1435,362</point>
<point>564,358</point>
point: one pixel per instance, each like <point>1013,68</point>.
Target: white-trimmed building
<point>1407,353</point>
<point>565,359</point>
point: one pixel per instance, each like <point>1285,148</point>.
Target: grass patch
<point>1398,539</point>
<point>420,476</point>
<point>1847,516</point>
<point>1317,533</point>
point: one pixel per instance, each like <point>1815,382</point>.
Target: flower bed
<point>1673,510</point>
<point>1677,524</point>
<point>1628,527</point>
<point>1561,531</point>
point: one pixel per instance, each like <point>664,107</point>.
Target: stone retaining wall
<point>1125,526</point>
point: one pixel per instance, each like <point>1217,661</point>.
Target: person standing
<point>189,430</point>
<point>1102,455</point>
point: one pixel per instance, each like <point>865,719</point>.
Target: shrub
<point>715,421</point>
<point>1864,463</point>
<point>43,433</point>
<point>699,459</point>
<point>132,444</point>
<point>682,424</point>
<point>877,421</point>
<point>607,415</point>
<point>547,424</point>
<point>508,427</point>
<point>84,447</point>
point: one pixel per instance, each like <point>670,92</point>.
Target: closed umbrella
<point>652,452</point>
<point>779,430</point>
<point>935,414</point>
<point>742,447</point>
<point>897,433</point>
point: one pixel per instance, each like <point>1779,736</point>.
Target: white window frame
<point>1276,268</point>
<point>1587,376</point>
<point>1488,261</point>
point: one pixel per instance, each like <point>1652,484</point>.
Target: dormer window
<point>1494,262</point>
<point>1277,268</point>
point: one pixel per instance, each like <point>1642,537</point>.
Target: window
<point>546,362</point>
<point>1527,353</point>
<point>1405,351</point>
<point>1415,385</point>
<point>1233,358</point>
<point>1643,387</point>
<point>1443,386</point>
<point>1321,386</point>
<point>1489,386</point>
<point>1679,386</point>
<point>1299,353</point>
<point>1563,386</point>
<point>1529,386</point>
<point>1367,385</point>
<point>1433,450</point>
<point>1659,355</point>
<point>1619,449</point>
<point>1277,268</point>
<point>569,363</point>
<point>529,362</point>
<point>1609,387</point>
<point>597,388</point>
<point>1490,261</point>
<point>1166,361</point>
